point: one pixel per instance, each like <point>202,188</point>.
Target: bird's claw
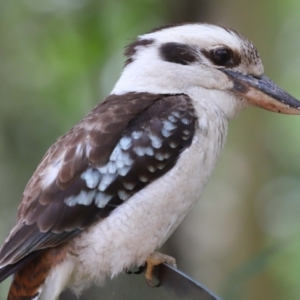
<point>153,260</point>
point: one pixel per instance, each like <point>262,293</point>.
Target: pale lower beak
<point>263,92</point>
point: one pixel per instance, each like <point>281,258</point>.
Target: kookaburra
<point>112,190</point>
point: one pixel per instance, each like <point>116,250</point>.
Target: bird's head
<point>208,62</point>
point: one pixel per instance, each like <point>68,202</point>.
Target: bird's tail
<point>11,269</point>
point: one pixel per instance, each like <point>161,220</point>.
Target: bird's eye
<point>221,56</point>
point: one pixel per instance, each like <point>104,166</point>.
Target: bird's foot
<point>155,259</point>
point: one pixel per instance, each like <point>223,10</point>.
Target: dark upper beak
<point>262,92</point>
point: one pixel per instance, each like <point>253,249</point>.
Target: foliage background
<point>58,58</point>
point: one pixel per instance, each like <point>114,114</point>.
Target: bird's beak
<point>262,92</point>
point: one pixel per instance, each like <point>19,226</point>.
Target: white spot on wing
<point>166,133</point>
<point>159,156</point>
<point>172,118</point>
<point>128,161</point>
<point>129,186</point>
<point>123,195</point>
<point>112,167</point>
<point>143,178</point>
<point>91,178</point>
<point>125,143</point>
<point>120,163</point>
<point>161,165</point>
<point>123,171</point>
<point>167,155</point>
<point>84,198</point>
<point>106,180</point>
<point>141,151</point>
<point>103,169</point>
<point>173,144</point>
<point>156,141</point>
<point>169,125</point>
<point>116,152</point>
<point>151,168</point>
<point>176,114</point>
<point>136,134</point>
<point>185,121</point>
<point>102,199</point>
<point>121,158</point>
<point>149,151</point>
<point>88,198</point>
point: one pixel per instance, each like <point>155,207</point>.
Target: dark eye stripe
<point>178,53</point>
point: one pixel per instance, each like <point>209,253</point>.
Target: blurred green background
<point>58,58</point>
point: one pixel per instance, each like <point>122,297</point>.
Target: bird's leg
<point>155,259</point>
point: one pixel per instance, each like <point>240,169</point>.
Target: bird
<point>111,191</point>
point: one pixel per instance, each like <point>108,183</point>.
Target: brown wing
<point>124,144</point>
